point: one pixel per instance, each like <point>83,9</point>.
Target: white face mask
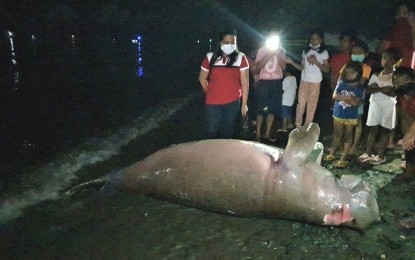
<point>314,47</point>
<point>228,48</point>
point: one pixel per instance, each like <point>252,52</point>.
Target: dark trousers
<point>220,119</point>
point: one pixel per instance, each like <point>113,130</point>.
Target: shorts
<point>268,96</point>
<point>287,112</point>
<point>383,114</point>
<point>352,122</point>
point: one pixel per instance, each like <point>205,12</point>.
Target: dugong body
<point>250,179</point>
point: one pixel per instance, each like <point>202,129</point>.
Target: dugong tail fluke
<point>104,183</point>
<point>100,183</point>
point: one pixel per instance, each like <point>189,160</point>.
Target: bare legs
<point>342,132</point>
<point>357,136</point>
<point>383,142</point>
<point>260,122</point>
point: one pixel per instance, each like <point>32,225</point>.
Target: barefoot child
<point>348,95</point>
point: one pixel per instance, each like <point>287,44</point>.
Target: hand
<point>312,59</point>
<point>244,110</point>
<point>408,141</point>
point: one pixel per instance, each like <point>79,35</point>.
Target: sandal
<point>329,158</point>
<point>341,164</point>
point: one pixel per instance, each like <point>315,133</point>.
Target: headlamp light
<point>273,42</point>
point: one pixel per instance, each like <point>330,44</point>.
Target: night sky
<point>175,21</point>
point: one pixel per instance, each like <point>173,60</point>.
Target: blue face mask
<point>358,58</point>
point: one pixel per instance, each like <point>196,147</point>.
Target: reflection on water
<point>13,60</point>
<point>60,91</point>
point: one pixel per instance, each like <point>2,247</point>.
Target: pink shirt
<point>272,69</point>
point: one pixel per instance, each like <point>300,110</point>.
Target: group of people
<point>224,77</point>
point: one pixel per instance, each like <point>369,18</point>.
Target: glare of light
<point>134,41</point>
<point>140,72</point>
<point>198,41</point>
<point>33,37</point>
<point>10,33</point>
<point>273,42</point>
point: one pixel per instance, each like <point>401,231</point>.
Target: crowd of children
<point>364,93</point>
<point>363,98</point>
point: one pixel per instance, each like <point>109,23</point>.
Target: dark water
<point>56,96</point>
<point>73,121</point>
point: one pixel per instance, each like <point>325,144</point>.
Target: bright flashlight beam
<point>236,20</point>
<point>245,26</point>
<point>273,43</point>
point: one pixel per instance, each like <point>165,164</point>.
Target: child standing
<point>348,95</point>
<point>314,62</point>
<point>382,108</point>
<point>359,53</point>
<point>289,86</point>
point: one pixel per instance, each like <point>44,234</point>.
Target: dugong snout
<point>362,209</point>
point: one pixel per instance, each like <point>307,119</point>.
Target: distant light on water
<point>140,70</point>
<point>16,77</point>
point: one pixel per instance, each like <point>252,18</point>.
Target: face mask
<point>314,47</point>
<point>358,58</point>
<point>228,48</point>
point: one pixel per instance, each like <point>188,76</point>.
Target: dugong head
<point>355,206</point>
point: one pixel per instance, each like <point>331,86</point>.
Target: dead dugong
<point>251,179</point>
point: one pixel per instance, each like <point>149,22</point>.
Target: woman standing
<point>224,77</point>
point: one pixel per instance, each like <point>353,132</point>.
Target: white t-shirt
<point>312,73</point>
<point>289,86</point>
<point>382,81</point>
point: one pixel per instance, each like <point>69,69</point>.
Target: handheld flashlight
<point>273,42</point>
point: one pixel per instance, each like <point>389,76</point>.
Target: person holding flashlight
<point>269,65</point>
